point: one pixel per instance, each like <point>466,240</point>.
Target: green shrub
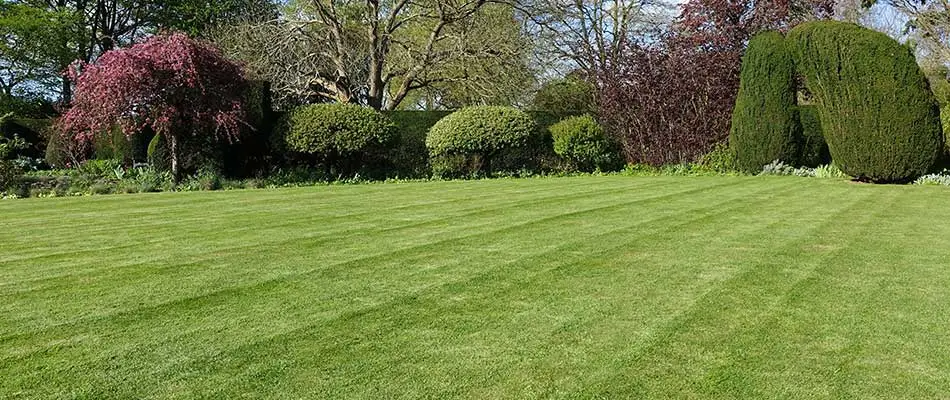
<point>583,142</point>
<point>346,137</point>
<point>721,159</point>
<point>567,96</point>
<point>157,154</point>
<point>878,115</point>
<point>483,133</point>
<point>202,180</point>
<point>101,168</point>
<point>9,170</point>
<point>112,144</point>
<point>765,123</point>
<point>32,132</point>
<point>814,150</point>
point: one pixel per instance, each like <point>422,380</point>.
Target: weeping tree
<point>170,84</point>
<point>877,112</point>
<point>765,124</point>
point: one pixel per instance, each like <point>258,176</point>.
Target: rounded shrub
<point>344,136</point>
<point>765,124</point>
<point>583,142</point>
<point>878,115</point>
<point>473,136</point>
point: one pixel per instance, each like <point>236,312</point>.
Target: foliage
<point>202,180</point>
<point>566,96</point>
<point>668,105</point>
<point>171,84</point>
<point>721,159</point>
<point>942,178</point>
<point>879,117</point>
<point>9,170</point>
<point>778,167</point>
<point>765,124</point>
<point>829,171</point>
<point>344,136</point>
<point>814,150</point>
<point>669,99</point>
<point>410,157</point>
<point>30,51</point>
<point>582,141</point>
<point>433,54</point>
<point>477,135</point>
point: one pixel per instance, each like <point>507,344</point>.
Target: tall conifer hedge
<point>765,124</point>
<point>878,115</point>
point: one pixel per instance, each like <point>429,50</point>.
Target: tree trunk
<point>173,142</point>
<point>67,95</point>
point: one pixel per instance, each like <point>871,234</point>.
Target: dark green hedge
<point>879,117</point>
<point>31,130</point>
<point>814,149</point>
<point>765,124</point>
<point>410,158</point>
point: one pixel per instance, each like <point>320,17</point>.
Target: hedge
<point>814,150</point>
<point>765,124</point>
<point>879,117</point>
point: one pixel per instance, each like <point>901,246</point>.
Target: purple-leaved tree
<point>170,83</point>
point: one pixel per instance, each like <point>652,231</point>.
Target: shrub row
<point>473,141</point>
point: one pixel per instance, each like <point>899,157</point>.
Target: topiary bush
<point>814,150</point>
<point>474,137</point>
<point>583,142</point>
<point>765,124</point>
<point>878,115</point>
<point>346,138</point>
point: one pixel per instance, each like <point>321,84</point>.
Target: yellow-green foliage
<point>480,130</point>
<point>878,115</point>
<point>765,123</point>
<point>340,129</point>
<point>470,140</point>
<point>583,142</point>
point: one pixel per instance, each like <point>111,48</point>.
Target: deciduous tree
<point>379,52</point>
<point>170,83</point>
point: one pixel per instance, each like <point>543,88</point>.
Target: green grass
<point>587,287</point>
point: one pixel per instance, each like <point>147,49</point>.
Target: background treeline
<point>641,82</point>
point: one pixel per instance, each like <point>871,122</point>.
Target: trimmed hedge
<point>410,158</point>
<point>765,124</point>
<point>469,140</point>
<point>879,117</point>
<point>345,137</point>
<point>583,142</point>
<point>814,149</point>
<point>567,96</point>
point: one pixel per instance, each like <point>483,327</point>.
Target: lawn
<point>587,287</point>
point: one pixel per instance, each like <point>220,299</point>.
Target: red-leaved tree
<point>670,100</point>
<point>170,83</point>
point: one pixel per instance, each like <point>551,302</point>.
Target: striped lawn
<point>588,287</point>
